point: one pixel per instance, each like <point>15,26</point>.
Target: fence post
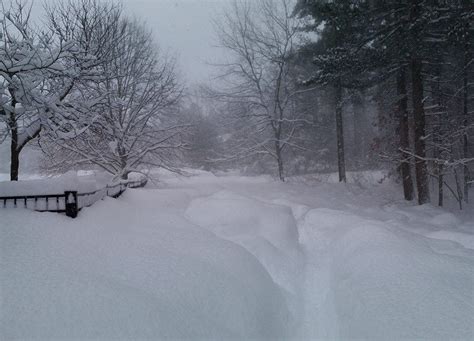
<point>71,203</point>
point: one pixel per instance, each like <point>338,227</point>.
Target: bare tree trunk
<point>14,156</point>
<point>405,167</point>
<point>340,133</point>
<point>123,163</point>
<point>14,149</point>
<point>421,166</point>
<point>278,153</point>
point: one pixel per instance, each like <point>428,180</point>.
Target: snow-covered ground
<point>240,257</point>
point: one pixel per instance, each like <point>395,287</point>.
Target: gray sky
<point>183,26</point>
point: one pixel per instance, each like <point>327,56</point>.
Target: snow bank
<point>433,222</point>
<point>232,215</point>
<point>465,239</point>
<point>125,269</point>
<point>363,178</point>
<point>268,231</point>
<point>387,283</point>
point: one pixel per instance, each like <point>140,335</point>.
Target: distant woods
<point>350,85</point>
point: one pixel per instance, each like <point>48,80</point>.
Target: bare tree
<point>257,81</point>
<point>135,125</point>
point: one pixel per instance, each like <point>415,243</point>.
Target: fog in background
<point>183,26</point>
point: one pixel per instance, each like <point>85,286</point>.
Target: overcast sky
<point>182,26</point>
<point>185,27</point>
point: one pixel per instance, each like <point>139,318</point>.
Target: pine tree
<point>333,22</point>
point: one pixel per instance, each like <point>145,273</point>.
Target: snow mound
<point>232,215</point>
<point>465,239</point>
<point>111,274</point>
<point>268,231</point>
<point>362,178</point>
<point>390,283</point>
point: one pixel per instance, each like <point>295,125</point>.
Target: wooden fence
<point>69,202</point>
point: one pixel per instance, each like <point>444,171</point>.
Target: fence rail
<point>69,202</point>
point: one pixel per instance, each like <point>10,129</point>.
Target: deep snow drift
<point>240,257</point>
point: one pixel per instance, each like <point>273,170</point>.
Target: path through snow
<point>364,266</point>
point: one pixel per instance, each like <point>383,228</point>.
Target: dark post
<point>71,203</point>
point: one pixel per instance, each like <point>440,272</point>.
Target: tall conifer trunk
<point>340,133</point>
<point>416,64</point>
<point>405,167</point>
<point>467,60</point>
<point>421,167</point>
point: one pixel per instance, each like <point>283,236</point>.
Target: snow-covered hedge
<point>71,181</point>
<point>90,186</point>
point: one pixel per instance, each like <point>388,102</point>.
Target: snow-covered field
<point>240,257</point>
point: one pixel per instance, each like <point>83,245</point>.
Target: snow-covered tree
<point>257,80</point>
<point>333,22</point>
<point>46,74</point>
<point>29,59</point>
<point>404,48</point>
<point>136,123</point>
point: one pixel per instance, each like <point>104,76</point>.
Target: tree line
<point>303,86</point>
<point>393,78</point>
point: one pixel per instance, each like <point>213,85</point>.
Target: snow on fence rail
<point>69,202</point>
